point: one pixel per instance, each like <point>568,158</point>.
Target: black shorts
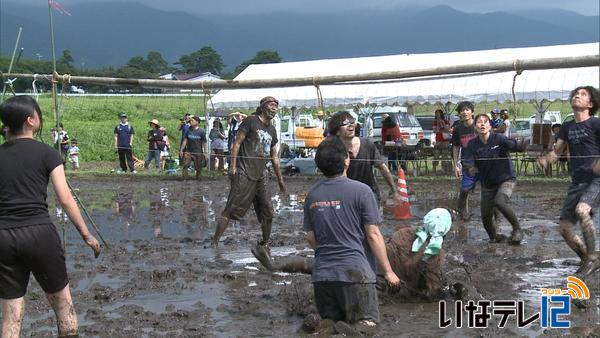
<point>37,249</point>
<point>243,193</point>
<point>588,193</point>
<point>350,302</point>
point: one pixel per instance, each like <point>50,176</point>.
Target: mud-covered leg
<point>66,318</point>
<point>573,241</point>
<point>12,317</point>
<point>222,224</point>
<point>591,262</point>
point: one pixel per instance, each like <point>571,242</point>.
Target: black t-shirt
<point>462,134</point>
<point>196,138</point>
<point>361,166</point>
<point>584,147</point>
<point>492,159</point>
<point>25,171</point>
<point>255,150</point>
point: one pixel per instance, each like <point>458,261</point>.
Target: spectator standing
<point>321,122</point>
<point>155,144</point>
<point>441,128</point>
<point>217,144</point>
<point>164,153</point>
<point>29,241</point>
<point>340,218</point>
<point>123,143</point>
<point>390,132</point>
<point>582,136</point>
<point>488,154</point>
<point>61,140</point>
<point>74,154</point>
<point>255,144</point>
<point>504,127</point>
<point>496,121</point>
<point>195,148</point>
<point>183,127</point>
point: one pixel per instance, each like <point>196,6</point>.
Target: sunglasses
<point>348,122</point>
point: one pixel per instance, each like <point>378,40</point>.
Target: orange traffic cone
<point>402,210</point>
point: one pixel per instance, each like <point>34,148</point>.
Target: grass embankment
<point>92,119</point>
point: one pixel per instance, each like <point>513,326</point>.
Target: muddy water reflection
<point>161,262</point>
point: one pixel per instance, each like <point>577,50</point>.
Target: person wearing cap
<point>193,148</point>
<point>255,144</point>
<point>416,255</point>
<point>364,155</point>
<point>504,127</point>
<point>155,144</point>
<point>496,121</point>
<point>123,142</point>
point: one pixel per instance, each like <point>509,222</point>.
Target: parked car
<point>410,129</point>
<point>523,128</point>
<point>426,123</point>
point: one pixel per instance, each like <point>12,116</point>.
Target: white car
<point>410,129</point>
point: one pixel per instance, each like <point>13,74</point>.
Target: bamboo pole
<point>468,69</point>
<point>12,61</point>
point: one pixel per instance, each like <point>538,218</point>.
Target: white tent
<point>553,84</point>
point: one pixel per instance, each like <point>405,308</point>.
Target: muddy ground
<point>160,277</point>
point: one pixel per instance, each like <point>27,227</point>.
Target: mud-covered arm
<point>235,150</point>
<point>66,200</point>
<point>377,245</point>
<point>387,176</point>
<point>277,169</point>
<point>310,238</point>
<point>551,157</point>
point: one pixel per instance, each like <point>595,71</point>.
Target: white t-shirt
<point>507,130</point>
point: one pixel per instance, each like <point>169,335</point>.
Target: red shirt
<point>391,134</point>
<point>438,127</point>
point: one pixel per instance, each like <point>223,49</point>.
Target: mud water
<point>160,277</point>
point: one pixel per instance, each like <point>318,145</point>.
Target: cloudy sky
<point>586,7</point>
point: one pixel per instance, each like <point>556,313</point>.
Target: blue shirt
<point>124,133</point>
<point>337,211</point>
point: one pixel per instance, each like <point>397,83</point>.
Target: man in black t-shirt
<point>255,145</point>
<point>463,132</point>
<point>193,148</point>
<point>364,155</point>
<point>582,136</point>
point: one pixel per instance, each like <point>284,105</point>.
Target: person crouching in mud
<point>415,254</point>
<point>340,218</point>
<point>29,242</point>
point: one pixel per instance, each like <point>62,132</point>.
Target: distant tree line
<point>206,59</point>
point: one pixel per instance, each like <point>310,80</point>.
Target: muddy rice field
<point>160,276</point>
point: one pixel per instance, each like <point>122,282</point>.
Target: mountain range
<point>110,33</point>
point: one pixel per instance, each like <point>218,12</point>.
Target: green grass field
<point>91,119</point>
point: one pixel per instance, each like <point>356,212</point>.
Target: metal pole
<point>467,70</point>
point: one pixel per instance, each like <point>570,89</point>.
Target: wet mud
<point>160,276</point>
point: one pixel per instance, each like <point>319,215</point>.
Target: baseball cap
<point>123,114</point>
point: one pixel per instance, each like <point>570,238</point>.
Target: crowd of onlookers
<point>193,144</point>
